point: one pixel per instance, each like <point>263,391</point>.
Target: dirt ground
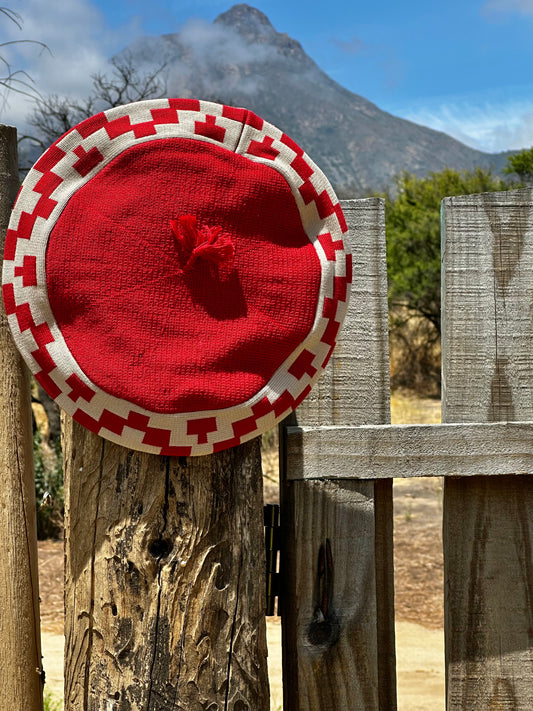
<point>418,586</point>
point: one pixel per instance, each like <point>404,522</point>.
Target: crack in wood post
<point>160,584</point>
<point>232,635</point>
<point>88,656</point>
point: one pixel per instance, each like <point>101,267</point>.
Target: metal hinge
<point>272,547</point>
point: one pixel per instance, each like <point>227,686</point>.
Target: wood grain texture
<point>488,522</point>
<point>165,587</point>
<point>387,451</point>
<point>343,659</point>
<point>20,647</point>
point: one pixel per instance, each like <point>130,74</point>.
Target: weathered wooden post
<point>165,587</point>
<point>488,522</point>
<point>340,654</point>
<point>20,645</point>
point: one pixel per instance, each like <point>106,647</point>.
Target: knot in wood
<point>324,631</point>
<point>160,548</point>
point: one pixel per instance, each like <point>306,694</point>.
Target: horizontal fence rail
<point>398,451</point>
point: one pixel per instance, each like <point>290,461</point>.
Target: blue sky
<point>463,67</point>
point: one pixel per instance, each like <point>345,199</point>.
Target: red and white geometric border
<point>72,161</point>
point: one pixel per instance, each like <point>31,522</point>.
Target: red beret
<point>175,274</point>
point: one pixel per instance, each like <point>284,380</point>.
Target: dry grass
<point>410,409</point>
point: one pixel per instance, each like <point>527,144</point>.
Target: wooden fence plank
<point>164,580</point>
<point>20,645</point>
<point>488,522</point>
<point>339,653</point>
<point>386,451</point>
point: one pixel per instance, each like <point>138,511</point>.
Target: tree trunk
<point>165,588</point>
<point>20,645</point>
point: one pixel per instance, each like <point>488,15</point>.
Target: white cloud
<point>79,45</point>
<point>210,59</point>
<point>523,7</point>
<point>213,42</point>
<point>491,123</point>
<point>81,42</point>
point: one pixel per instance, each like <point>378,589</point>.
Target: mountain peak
<point>242,60</point>
<point>247,21</point>
<point>255,29</point>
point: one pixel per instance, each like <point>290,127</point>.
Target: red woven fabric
<point>170,340</point>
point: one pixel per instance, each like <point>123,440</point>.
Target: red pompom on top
<point>203,242</point>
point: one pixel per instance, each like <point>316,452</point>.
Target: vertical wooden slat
<point>346,661</point>
<point>20,645</point>
<point>488,523</point>
<point>164,579</point>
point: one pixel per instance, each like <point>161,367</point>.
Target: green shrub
<point>49,492</point>
<point>413,224</point>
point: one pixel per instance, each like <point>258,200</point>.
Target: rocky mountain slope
<point>241,60</point>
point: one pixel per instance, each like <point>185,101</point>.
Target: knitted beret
<point>175,275</point>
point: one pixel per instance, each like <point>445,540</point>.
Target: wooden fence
<point>339,459</point>
<point>164,558</point>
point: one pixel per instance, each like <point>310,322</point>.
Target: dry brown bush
<point>415,354</point>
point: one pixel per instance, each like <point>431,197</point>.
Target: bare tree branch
<point>54,115</point>
<point>13,16</point>
<point>12,80</point>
